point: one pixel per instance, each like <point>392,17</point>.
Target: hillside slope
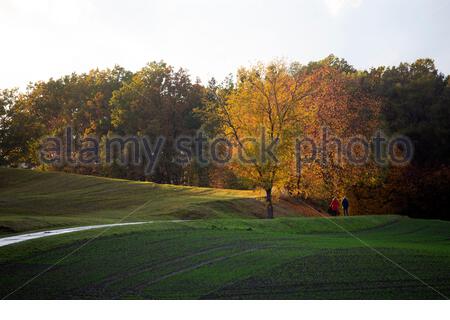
<point>31,200</point>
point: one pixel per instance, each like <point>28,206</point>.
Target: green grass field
<point>227,254</point>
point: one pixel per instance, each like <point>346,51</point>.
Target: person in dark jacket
<point>345,205</point>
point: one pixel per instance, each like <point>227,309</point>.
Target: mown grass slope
<point>31,200</point>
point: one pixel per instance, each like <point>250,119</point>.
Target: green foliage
<point>416,104</point>
<point>158,101</point>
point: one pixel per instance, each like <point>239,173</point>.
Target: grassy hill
<point>229,255</point>
<point>284,258</point>
<point>31,200</point>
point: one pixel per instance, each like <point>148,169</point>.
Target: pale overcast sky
<point>44,38</point>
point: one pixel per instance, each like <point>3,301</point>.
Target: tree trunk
<point>269,203</point>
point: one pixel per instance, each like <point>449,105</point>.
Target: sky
<point>50,38</point>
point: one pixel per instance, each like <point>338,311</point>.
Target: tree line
<point>278,100</point>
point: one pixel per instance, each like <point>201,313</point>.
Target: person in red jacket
<point>334,206</point>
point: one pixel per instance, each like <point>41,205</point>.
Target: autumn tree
<point>266,108</point>
<point>79,101</point>
<point>15,129</point>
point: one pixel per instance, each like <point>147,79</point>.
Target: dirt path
<point>41,234</point>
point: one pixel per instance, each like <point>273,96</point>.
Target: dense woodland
<point>285,99</point>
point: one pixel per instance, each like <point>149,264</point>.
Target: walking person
<point>334,207</point>
<point>345,205</point>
